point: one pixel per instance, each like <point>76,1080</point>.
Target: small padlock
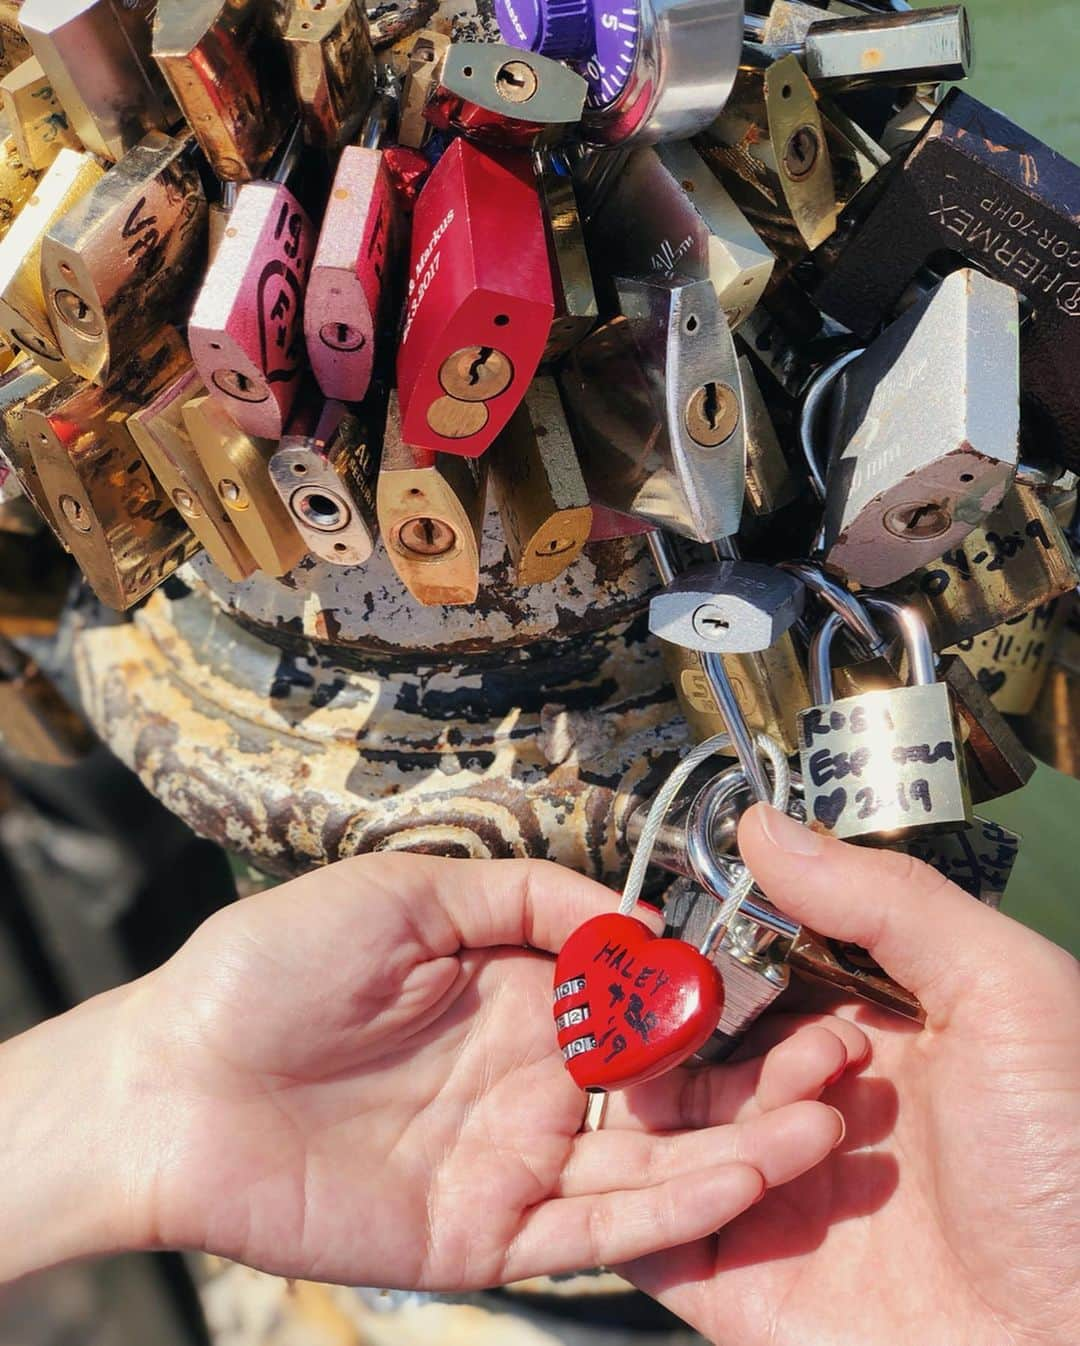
<point>913,472</point>
<point>654,400</point>
<point>479,307</point>
<point>113,514</point>
<point>24,314</point>
<point>427,52</point>
<point>692,228</point>
<point>226,66</point>
<point>571,276</point>
<point>162,436</point>
<point>354,272</point>
<point>246,329</point>
<point>96,54</point>
<point>1049,730</point>
<point>1011,661</point>
<point>332,64</point>
<point>237,465</point>
<point>325,470</point>
<point>38,123</point>
<point>769,149</point>
<point>124,258</point>
<point>978,858</point>
<point>886,762</point>
<point>431,512</point>
<point>727,607</point>
<point>538,487</point>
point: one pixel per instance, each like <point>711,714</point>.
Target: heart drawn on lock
<point>630,1006</point>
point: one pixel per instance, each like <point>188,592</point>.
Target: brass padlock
<point>427,52</point>
<point>38,123</point>
<point>538,487</point>
<point>113,514</point>
<point>124,258</point>
<point>886,762</point>
<point>162,436</point>
<point>17,386</point>
<point>24,314</point>
<point>333,66</point>
<point>238,468</point>
<point>431,512</point>
<point>1011,661</point>
<point>1050,730</point>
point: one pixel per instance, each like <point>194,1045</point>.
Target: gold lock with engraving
<point>238,468</point>
<point>113,514</point>
<point>38,123</point>
<point>1011,661</point>
<point>332,64</point>
<point>125,257</point>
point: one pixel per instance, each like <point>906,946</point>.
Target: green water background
<point>1025,55</point>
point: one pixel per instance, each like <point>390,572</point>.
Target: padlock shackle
<point>816,400</point>
<point>853,611</point>
<point>922,663</point>
<point>819,658</point>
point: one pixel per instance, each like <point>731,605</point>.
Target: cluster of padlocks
<point>289,278</point>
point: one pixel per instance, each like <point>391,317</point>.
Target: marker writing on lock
<point>616,956</point>
<point>826,765</point>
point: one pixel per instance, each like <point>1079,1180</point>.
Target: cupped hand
<point>951,1214</point>
<point>355,1078</point>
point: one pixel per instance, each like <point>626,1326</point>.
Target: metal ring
<point>850,608</point>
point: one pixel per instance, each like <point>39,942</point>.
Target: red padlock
<point>629,1006</point>
<point>480,303</point>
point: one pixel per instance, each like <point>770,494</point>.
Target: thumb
<point>928,934</point>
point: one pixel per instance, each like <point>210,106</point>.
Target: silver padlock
<point>728,607</point>
<point>916,47</point>
<point>925,430</point>
<point>887,762</point>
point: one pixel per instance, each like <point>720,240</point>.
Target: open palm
<point>951,1213</point>
<point>362,1085</point>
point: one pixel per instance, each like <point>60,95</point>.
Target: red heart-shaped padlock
<point>630,1006</point>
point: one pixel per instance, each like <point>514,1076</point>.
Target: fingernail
<point>788,835</point>
<point>843,1128</point>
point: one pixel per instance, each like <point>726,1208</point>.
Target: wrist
<point>73,1160</point>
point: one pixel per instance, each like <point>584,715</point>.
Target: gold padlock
<point>38,123</point>
<point>1011,661</point>
<point>333,66</point>
<point>124,258</point>
<point>427,52</point>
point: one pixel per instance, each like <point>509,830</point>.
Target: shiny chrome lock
<point>237,466</point>
<point>96,54</point>
<point>427,53</point>
<point>226,66</point>
<point>325,473</point>
<point>654,400</point>
<point>915,468</point>
<point>332,64</point>
<point>691,229</point>
<point>431,513</point>
<point>124,258</point>
<point>114,516</point>
<point>769,149</point>
<point>1018,559</point>
<point>477,315</point>
<point>656,69</point>
<point>978,858</point>
<point>24,314</point>
<point>353,273</point>
<point>571,277</point>
<point>163,439</point>
<point>979,186</point>
<point>538,487</point>
<point>37,121</point>
<point>22,381</point>
<point>246,329</point>
<point>1049,730</point>
<point>886,762</point>
<point>497,96</point>
<point>1011,661</point>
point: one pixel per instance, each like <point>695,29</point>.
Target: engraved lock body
<point>38,122</point>
<point>498,96</point>
<point>571,275</point>
<point>1012,661</point>
<point>479,307</point>
<point>431,512</point>
<point>96,54</point>
<point>237,465</point>
<point>162,436</point>
<point>886,762</point>
<point>769,149</point>
<point>125,257</point>
<point>427,52</point>
<point>654,400</point>
<point>333,66</point>
<point>656,69</point>
<point>226,66</point>
<point>326,475</point>
<point>1018,559</point>
<point>353,273</point>
<point>979,186</point>
<point>538,487</point>
<point>18,385</point>
<point>246,329</point>
<point>24,315</point>
<point>914,469</point>
<point>692,228</point>
<point>114,516</point>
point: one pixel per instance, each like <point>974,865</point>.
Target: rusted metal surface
<point>300,724</point>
